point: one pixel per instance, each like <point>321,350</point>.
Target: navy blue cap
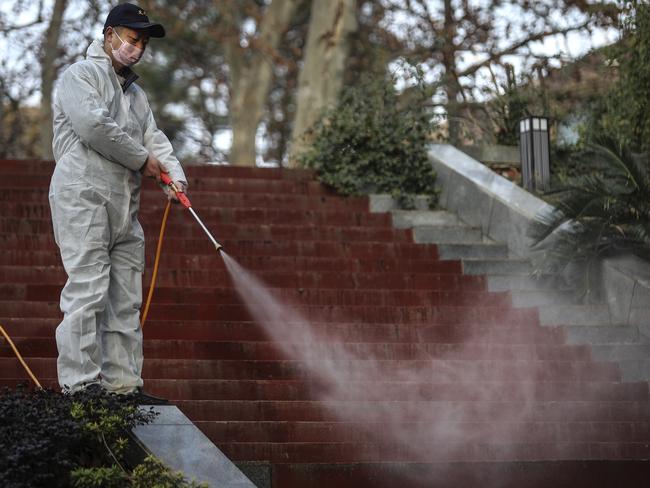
<point>133,17</point>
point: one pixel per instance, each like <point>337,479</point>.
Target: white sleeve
<point>91,120</point>
<point>158,145</point>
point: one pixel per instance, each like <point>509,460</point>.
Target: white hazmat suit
<point>103,134</point>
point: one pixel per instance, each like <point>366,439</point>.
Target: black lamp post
<point>534,147</point>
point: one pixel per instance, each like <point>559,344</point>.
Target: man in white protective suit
<point>105,141</point>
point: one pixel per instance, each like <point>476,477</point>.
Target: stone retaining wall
<point>504,212</point>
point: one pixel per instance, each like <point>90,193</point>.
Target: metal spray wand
<point>182,198</point>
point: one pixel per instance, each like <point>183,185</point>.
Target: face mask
<point>127,54</point>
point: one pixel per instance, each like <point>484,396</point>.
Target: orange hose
<point>20,358</point>
<point>143,318</point>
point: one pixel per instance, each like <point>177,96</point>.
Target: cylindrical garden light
<point>534,147</point>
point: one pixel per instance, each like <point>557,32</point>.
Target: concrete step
<point>585,315</point>
<point>542,298</point>
<point>512,266</point>
<point>472,251</point>
<point>406,219</point>
<point>618,352</point>
<point>634,369</point>
<point>383,203</point>
<point>605,335</point>
<point>509,282</point>
<point>443,234</point>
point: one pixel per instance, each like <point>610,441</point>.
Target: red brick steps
<point>373,452</point>
<point>333,332</point>
<point>537,474</point>
<point>263,350</point>
<point>423,433</point>
<point>478,393</point>
<point>357,370</point>
<point>243,231</point>
<point>226,215</point>
<point>204,199</point>
<point>222,295</point>
<point>268,263</point>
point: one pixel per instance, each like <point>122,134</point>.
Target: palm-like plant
<point>600,214</point>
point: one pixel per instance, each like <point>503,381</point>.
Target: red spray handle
<point>179,194</point>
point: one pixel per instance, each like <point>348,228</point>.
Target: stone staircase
<point>584,323</point>
<point>441,381</point>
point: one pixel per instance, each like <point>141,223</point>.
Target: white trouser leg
<point>82,233</point>
<point>120,332</point>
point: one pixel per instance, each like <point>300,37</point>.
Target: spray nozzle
<point>182,198</point>
<point>186,203</point>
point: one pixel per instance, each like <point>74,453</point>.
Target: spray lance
<point>182,198</point>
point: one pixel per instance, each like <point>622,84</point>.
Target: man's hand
<point>152,168</point>
<point>171,194</point>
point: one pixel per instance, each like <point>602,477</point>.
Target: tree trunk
<point>452,85</point>
<point>48,75</point>
<point>321,76</point>
<point>252,76</point>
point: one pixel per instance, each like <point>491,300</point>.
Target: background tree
<point>185,77</point>
<point>38,39</point>
<point>458,42</point>
<point>234,69</point>
<point>251,70</point>
<point>324,61</point>
<point>624,113</point>
<point>49,57</point>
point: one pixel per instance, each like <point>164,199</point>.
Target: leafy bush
<point>600,214</point>
<point>375,142</point>
<point>152,473</point>
<point>40,441</point>
<point>100,477</point>
<point>52,440</point>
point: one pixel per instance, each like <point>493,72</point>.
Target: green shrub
<point>152,473</point>
<point>52,440</point>
<point>40,442</point>
<point>600,214</point>
<point>375,142</point>
<point>100,477</point>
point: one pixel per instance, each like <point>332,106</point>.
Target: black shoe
<point>146,399</point>
<point>95,389</point>
<point>88,389</point>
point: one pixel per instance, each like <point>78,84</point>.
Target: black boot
<point>147,399</point>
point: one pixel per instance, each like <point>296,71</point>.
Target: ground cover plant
<point>52,440</point>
